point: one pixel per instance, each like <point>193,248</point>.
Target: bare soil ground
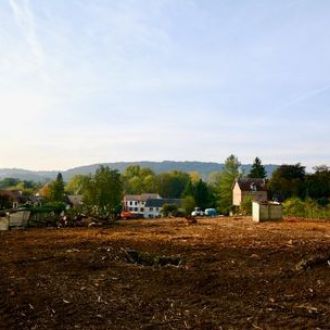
<point>234,274</point>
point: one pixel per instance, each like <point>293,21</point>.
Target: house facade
<point>148,205</point>
<point>137,203</point>
<point>256,188</point>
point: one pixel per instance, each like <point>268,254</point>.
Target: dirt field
<point>234,274</point>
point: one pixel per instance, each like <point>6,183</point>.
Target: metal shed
<point>263,211</point>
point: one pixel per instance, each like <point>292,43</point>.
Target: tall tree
<point>257,170</point>
<point>201,194</point>
<point>225,184</point>
<point>56,189</point>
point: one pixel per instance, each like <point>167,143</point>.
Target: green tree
<point>257,170</point>
<point>288,181</point>
<point>56,189</point>
<point>172,184</point>
<point>139,180</point>
<point>77,184</point>
<point>169,210</point>
<point>188,190</point>
<point>317,184</point>
<point>225,184</point>
<point>8,183</point>
<point>104,192</point>
<point>188,204</point>
<point>202,194</point>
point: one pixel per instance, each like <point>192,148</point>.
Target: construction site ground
<point>232,274</point>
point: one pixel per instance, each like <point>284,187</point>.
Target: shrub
<point>246,205</point>
<point>306,209</point>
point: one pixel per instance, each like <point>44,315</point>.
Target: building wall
<point>152,212</point>
<point>266,211</point>
<point>237,195</point>
<point>257,196</point>
<point>135,206</point>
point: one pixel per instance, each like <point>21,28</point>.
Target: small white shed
<point>263,211</point>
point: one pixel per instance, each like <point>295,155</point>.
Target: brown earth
<point>234,274</point>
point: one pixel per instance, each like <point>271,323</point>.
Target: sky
<point>84,82</point>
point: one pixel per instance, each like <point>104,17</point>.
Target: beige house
<point>256,188</point>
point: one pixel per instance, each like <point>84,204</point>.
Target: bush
<point>306,209</point>
<point>246,205</point>
<point>294,207</point>
<point>169,210</point>
<point>54,207</point>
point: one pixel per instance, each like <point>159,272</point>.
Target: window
<point>136,203</point>
<point>130,203</point>
<point>141,209</point>
<point>136,209</point>
<point>151,208</point>
<point>130,209</point>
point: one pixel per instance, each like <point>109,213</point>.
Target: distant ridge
<point>204,168</point>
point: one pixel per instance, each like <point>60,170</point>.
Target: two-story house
<point>256,188</point>
<point>148,205</point>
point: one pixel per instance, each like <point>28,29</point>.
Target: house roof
<point>160,202</point>
<point>14,195</point>
<point>142,197</point>
<point>247,184</point>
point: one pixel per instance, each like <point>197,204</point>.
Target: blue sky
<point>94,81</point>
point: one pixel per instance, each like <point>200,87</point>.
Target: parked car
<point>197,212</point>
<point>210,212</point>
<point>126,215</point>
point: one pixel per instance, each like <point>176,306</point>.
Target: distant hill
<point>204,168</point>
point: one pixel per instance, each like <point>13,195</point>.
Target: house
<point>256,188</point>
<point>12,199</point>
<point>149,205</point>
<point>153,207</point>
<point>136,203</point>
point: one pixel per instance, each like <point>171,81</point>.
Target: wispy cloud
<point>305,96</point>
<point>25,19</point>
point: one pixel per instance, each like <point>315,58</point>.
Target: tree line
<point>102,192</point>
